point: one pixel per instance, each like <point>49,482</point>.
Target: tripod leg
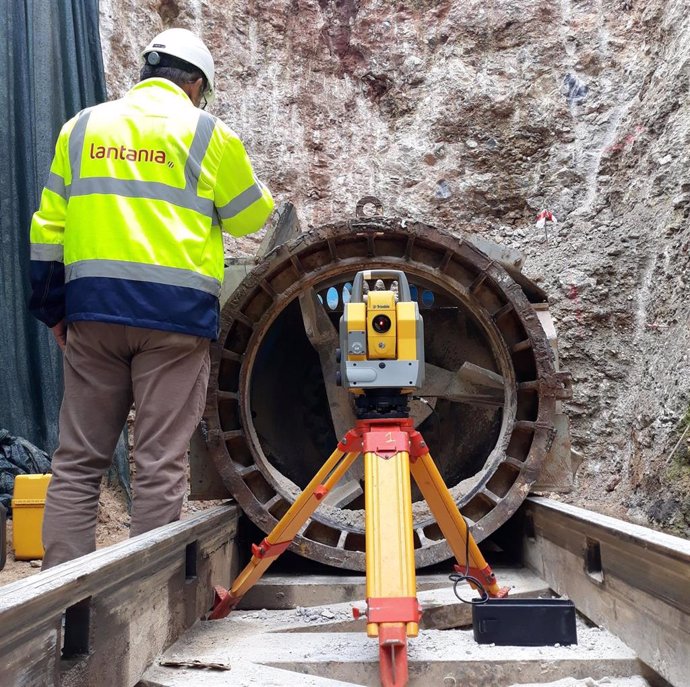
<point>284,532</point>
<point>392,607</point>
<point>452,524</point>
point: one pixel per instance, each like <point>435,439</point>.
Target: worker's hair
<point>173,69</point>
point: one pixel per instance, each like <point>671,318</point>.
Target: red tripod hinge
<point>418,446</point>
<point>267,550</point>
<point>352,441</point>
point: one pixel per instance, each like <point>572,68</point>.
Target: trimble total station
<point>381,363</point>
<point>381,353</point>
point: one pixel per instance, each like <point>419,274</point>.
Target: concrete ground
<point>323,646</point>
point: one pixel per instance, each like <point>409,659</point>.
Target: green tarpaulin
<point>51,66</point>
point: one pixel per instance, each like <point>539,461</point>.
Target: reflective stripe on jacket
<point>129,227</point>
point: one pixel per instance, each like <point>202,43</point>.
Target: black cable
<point>434,414</point>
<point>456,578</point>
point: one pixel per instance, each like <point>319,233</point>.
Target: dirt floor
<point>113,526</point>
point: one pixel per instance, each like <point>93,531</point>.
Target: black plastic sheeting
<point>18,457</point>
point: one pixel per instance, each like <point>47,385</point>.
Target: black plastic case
<point>524,622</point>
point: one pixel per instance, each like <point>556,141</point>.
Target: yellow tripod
<point>392,450</point>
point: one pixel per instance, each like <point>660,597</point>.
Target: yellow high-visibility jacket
<point>129,227</point>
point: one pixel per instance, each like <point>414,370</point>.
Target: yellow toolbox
<point>28,503</point>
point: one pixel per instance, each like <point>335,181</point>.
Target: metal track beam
<point>122,605</point>
<point>629,579</point>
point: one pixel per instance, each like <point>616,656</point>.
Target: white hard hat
<point>186,46</point>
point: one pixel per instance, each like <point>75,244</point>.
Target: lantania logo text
<point>131,154</point>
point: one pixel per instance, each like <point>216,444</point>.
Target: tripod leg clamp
<point>267,550</point>
<point>488,579</point>
<point>402,609</point>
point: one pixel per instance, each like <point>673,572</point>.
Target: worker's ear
<point>194,89</point>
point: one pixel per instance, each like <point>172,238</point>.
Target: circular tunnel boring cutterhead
<point>275,413</point>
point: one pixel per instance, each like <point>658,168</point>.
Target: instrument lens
<point>381,324</point>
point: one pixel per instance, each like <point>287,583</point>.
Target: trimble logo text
<point>130,154</point>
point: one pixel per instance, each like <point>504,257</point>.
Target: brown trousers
<point>106,367</point>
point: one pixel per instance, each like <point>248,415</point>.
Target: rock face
<point>475,116</point>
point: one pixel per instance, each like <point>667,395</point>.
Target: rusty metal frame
<point>482,285</point>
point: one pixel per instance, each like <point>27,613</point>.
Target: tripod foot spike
<point>393,656</point>
<point>223,603</point>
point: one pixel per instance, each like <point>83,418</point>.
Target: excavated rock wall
<point>475,115</point>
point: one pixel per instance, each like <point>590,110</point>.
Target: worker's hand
<point>60,334</point>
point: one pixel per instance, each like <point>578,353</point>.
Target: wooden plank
<point>144,593</point>
<point>641,590</point>
<point>63,585</point>
<point>643,537</point>
<point>652,561</point>
<point>32,659</point>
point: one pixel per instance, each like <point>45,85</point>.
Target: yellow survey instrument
<point>382,362</point>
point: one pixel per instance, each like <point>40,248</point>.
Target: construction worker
<point>126,268</point>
